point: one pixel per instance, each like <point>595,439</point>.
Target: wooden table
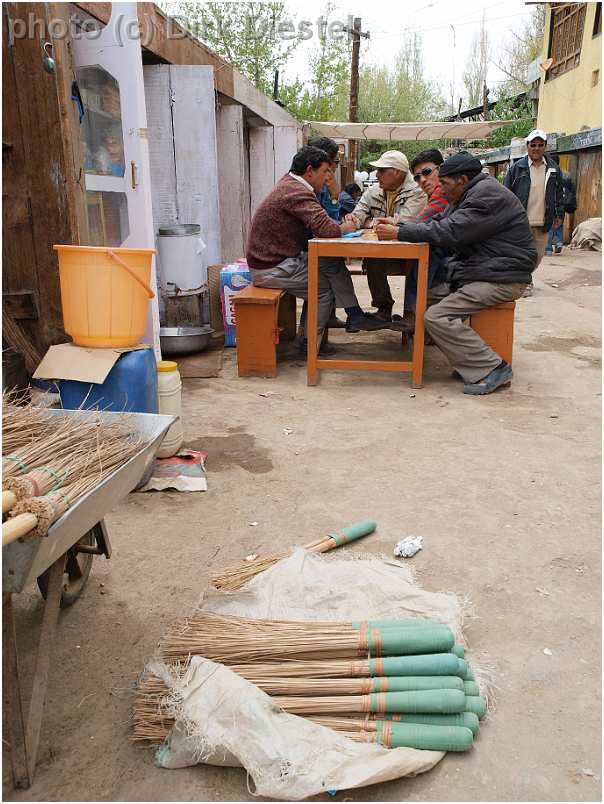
<point>367,246</point>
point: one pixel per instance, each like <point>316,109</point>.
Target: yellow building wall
<point>569,102</point>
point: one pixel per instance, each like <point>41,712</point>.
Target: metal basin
<point>184,340</point>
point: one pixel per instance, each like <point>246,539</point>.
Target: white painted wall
<point>182,146</point>
<point>233,181</point>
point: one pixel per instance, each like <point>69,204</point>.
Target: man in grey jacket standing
<point>492,254</point>
<point>536,180</point>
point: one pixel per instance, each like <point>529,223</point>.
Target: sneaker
<point>382,314</point>
<point>501,375</point>
<point>335,323</point>
<point>404,323</point>
<point>366,324</point>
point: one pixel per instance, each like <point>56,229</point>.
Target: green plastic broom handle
<point>462,668</point>
<point>405,641</point>
<point>458,650</point>
<point>476,704</point>
<point>404,623</point>
<point>471,688</point>
<point>435,664</point>
<point>445,702</point>
<point>430,738</point>
<point>467,719</point>
<point>403,683</point>
<point>353,532</point>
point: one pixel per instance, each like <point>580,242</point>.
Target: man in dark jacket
<point>536,180</point>
<point>486,232</point>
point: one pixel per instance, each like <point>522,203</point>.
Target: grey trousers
<point>444,320</point>
<point>540,242</point>
<point>335,282</point>
<point>377,280</point>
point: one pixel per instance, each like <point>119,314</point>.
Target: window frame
<point>567,28</point>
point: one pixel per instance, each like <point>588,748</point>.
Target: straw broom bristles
<point>235,639</point>
<point>236,575</point>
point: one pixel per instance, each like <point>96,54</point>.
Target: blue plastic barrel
<point>131,386</point>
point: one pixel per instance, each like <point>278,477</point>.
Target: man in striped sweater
<point>277,247</point>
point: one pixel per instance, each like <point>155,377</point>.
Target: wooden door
<point>589,185</point>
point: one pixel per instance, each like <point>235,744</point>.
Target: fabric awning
<point>408,131</point>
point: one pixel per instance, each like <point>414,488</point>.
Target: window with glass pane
<point>102,124</point>
<point>107,218</point>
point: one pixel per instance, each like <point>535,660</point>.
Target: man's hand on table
<point>376,221</point>
<point>349,224</point>
<point>386,231</point>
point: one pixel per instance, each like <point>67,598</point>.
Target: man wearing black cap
<point>492,254</point>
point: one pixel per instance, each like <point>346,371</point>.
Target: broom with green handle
<point>234,576</point>
<point>428,701</point>
<point>467,719</point>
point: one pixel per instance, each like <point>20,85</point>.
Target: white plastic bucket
<point>170,402</point>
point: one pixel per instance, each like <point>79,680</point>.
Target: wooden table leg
<point>47,639</point>
<point>420,308</point>
<point>312,314</point>
<point>14,725</point>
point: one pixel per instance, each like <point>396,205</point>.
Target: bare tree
<point>520,49</point>
<point>475,72</point>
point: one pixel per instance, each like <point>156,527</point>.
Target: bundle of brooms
<point>57,460</point>
<point>233,577</point>
<point>413,688</point>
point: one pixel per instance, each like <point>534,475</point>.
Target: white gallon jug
<point>170,388</point>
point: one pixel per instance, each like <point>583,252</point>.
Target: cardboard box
<point>66,361</point>
<point>233,278</point>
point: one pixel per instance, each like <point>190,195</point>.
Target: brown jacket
<point>284,222</point>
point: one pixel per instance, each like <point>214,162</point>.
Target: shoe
<point>557,249</point>
<point>382,314</point>
<point>501,375</point>
<point>528,292</point>
<point>366,324</point>
<point>404,323</point>
<point>335,323</point>
<point>326,349</point>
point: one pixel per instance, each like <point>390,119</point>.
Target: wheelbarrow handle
<point>18,526</point>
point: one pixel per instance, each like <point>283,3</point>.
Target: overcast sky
<point>447,29</point>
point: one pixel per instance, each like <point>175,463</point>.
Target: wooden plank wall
<point>43,182</point>
<point>233,181</point>
<point>181,121</point>
<point>589,185</point>
<point>262,164</point>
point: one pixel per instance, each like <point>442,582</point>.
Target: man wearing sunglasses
<point>486,232</point>
<point>537,181</point>
<point>424,168</point>
<point>396,197</point>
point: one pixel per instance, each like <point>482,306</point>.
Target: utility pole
<point>353,114</point>
<point>485,101</point>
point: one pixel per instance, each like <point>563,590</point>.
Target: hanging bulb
<point>48,62</point>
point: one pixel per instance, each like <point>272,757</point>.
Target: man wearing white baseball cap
<point>536,180</point>
<point>397,197</point>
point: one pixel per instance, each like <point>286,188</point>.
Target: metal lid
<point>180,230</point>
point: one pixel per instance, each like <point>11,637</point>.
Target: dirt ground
<point>504,489</point>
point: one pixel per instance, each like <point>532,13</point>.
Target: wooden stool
<point>261,315</point>
<point>495,325</point>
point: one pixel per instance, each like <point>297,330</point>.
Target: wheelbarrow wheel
<point>77,570</point>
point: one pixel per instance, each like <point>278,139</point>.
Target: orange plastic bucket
<point>104,294</point>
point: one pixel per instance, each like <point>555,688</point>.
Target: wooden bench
<point>262,317</point>
<point>495,325</point>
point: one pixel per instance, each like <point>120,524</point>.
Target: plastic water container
<point>182,260</point>
<point>170,402</point>
<point>104,294</point>
<point>131,385</point>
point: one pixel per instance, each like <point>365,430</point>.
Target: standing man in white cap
<point>536,180</point>
<point>395,196</point>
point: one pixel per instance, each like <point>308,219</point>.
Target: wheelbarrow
<point>60,564</point>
